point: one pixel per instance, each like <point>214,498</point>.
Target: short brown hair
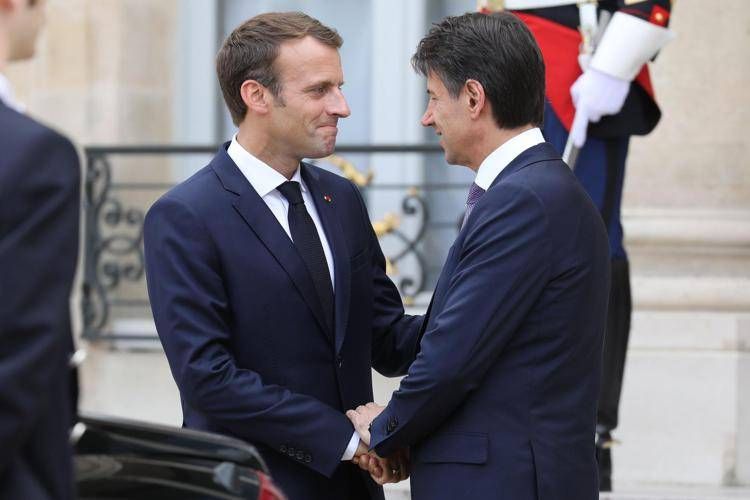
<point>250,50</point>
<point>498,51</point>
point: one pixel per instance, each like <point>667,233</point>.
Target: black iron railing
<point>122,181</point>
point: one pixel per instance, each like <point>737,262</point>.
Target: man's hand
<point>595,94</point>
<point>360,453</point>
<point>393,469</point>
<point>385,470</point>
<point>362,417</point>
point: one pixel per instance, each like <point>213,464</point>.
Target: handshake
<point>390,469</point>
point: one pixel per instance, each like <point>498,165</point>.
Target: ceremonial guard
<point>599,93</point>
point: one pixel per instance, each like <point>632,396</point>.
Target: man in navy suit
<point>500,402</point>
<point>39,209</point>
<point>266,280</point>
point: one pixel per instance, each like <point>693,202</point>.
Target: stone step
<point>677,493</point>
<point>401,492</point>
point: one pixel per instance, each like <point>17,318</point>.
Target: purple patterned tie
<point>475,192</point>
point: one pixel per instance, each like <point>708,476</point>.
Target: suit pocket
<point>459,447</point>
<point>359,260</point>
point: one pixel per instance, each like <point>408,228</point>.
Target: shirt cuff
<point>628,43</point>
<point>351,448</point>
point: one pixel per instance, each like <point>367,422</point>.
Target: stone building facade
<point>111,72</point>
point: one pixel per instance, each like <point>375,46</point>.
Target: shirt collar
<point>261,176</point>
<point>7,96</point>
<point>504,154</point>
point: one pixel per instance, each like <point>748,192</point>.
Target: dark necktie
<point>475,192</point>
<point>307,241</point>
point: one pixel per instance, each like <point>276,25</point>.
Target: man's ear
<point>475,97</point>
<point>6,6</point>
<point>255,96</point>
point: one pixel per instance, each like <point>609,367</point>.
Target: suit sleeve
<point>633,37</point>
<point>395,335</point>
<point>39,222</point>
<point>655,11</point>
<point>501,270</point>
<point>191,310</point>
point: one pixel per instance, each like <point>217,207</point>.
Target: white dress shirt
<point>265,180</point>
<point>506,153</point>
<point>7,96</point>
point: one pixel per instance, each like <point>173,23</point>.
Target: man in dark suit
<point>266,280</point>
<point>39,208</point>
<point>614,91</point>
<point>501,399</point>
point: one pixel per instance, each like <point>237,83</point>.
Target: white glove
<point>595,94</point>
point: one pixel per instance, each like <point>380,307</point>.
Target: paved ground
<point>678,493</point>
<point>400,492</point>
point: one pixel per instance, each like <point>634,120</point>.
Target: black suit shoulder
<point>341,186</point>
<point>21,131</point>
<point>540,168</point>
<point>197,193</point>
<point>197,187</point>
<point>39,215</point>
<point>32,151</point>
<point>539,171</point>
<point>39,170</point>
<point>326,176</point>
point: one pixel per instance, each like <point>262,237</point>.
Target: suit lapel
<point>258,216</point>
<point>534,154</point>
<point>332,227</point>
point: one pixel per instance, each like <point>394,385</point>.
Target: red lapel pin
<point>328,198</point>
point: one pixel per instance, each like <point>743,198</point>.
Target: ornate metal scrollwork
<point>113,257</point>
<point>349,171</point>
<point>112,248</point>
<point>121,255</point>
<point>413,205</point>
<point>96,187</point>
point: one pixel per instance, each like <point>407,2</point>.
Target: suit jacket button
<point>283,448</point>
<point>300,456</point>
<point>308,458</point>
<point>290,451</point>
<point>392,424</point>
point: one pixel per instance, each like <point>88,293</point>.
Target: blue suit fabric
<point>601,170</point>
<point>246,338</point>
<point>500,402</point>
<point>39,218</point>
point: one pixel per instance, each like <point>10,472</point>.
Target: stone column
<point>686,406</point>
<point>103,74</point>
<point>103,70</point>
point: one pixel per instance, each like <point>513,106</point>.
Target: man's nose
<point>427,120</point>
<point>338,106</point>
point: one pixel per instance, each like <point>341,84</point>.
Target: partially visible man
<point>598,73</point>
<point>500,402</point>
<point>39,209</point>
<point>266,280</point>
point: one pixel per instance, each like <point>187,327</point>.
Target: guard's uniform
<point>600,166</point>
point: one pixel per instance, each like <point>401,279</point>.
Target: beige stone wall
<point>685,410</point>
<point>103,70</point>
<point>104,74</point>
<point>699,155</point>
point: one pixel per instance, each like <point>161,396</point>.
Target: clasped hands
<point>390,469</point>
